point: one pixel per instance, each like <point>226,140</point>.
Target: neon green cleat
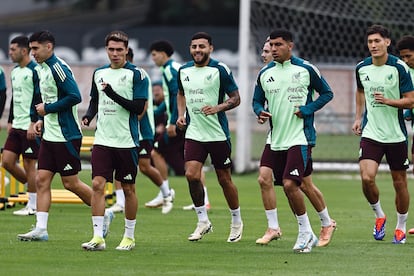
<point>95,244</point>
<point>126,244</point>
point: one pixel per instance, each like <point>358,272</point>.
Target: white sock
<point>97,222</point>
<point>120,197</point>
<point>32,200</point>
<point>324,217</point>
<point>235,216</point>
<point>201,213</point>
<point>379,213</point>
<point>206,201</point>
<point>272,219</point>
<point>130,228</point>
<point>304,224</point>
<point>41,220</point>
<point>165,188</point>
<point>401,221</point>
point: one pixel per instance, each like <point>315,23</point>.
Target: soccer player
<point>266,182</point>
<point>146,141</point>
<point>21,138</point>
<point>406,48</point>
<point>169,147</point>
<point>287,86</point>
<point>203,84</point>
<point>60,130</point>
<point>384,88</point>
<point>118,96</point>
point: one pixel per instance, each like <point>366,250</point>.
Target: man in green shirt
<point>384,89</point>
<point>203,84</point>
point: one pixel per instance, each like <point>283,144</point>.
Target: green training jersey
<point>203,86</point>
<point>116,126</point>
<point>25,91</point>
<point>286,88</point>
<point>381,122</point>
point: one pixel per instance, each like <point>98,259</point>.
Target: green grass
<point>162,247</point>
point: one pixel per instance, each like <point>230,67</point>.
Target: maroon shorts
<point>60,157</point>
<point>395,153</point>
<point>294,163</point>
<point>18,143</point>
<point>145,148</point>
<point>220,152</point>
<point>172,149</point>
<point>106,160</point>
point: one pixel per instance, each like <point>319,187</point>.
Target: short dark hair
<point>204,35</point>
<point>117,36</point>
<point>42,36</point>
<point>162,46</point>
<point>406,43</point>
<point>378,29</point>
<point>21,41</point>
<point>284,34</point>
<point>130,54</point>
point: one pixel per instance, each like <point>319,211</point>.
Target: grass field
<point>162,247</point>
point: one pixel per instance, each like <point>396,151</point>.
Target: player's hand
<point>31,134</point>
<point>209,110</point>
<point>298,113</point>
<point>263,117</point>
<point>181,122</point>
<point>171,131</point>
<point>40,109</point>
<point>356,128</point>
<point>85,121</point>
<point>37,128</point>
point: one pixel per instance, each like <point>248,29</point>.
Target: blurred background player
<point>21,138</point>
<point>405,46</point>
<point>146,141</point>
<point>266,181</point>
<point>169,146</point>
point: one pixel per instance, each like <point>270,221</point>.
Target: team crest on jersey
<point>389,79</point>
<point>122,81</point>
<point>296,77</point>
<point>208,78</point>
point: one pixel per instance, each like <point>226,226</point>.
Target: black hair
<point>378,29</point>
<point>162,46</point>
<point>284,34</point>
<point>42,36</point>
<point>130,54</point>
<point>202,35</point>
<point>406,43</point>
<point>21,41</point>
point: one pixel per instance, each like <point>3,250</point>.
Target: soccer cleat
<point>26,211</point>
<point>236,232</point>
<point>203,227</point>
<point>305,242</point>
<point>270,235</point>
<point>326,233</point>
<point>95,244</point>
<point>126,244</point>
<point>156,202</point>
<point>192,207</point>
<point>411,231</point>
<point>379,228</point>
<point>399,237</point>
<point>167,205</point>
<point>116,208</point>
<point>36,234</point>
<point>108,217</point>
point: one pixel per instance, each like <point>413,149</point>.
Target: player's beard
<point>202,61</point>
